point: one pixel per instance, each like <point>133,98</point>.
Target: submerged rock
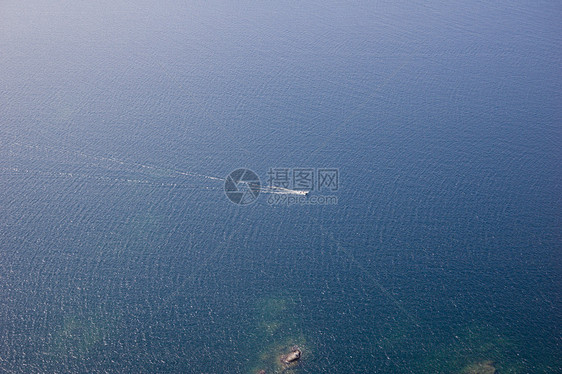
<point>291,357</point>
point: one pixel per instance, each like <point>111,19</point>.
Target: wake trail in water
<point>282,191</point>
<point>118,161</point>
<point>137,166</point>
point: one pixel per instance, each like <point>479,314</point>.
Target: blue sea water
<point>121,253</point>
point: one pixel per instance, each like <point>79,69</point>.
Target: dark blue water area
<point>120,251</point>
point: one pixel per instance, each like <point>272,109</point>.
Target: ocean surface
<point>121,253</point>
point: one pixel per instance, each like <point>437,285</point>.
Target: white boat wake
<point>282,191</point>
<point>134,165</point>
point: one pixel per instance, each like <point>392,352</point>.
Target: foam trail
<point>113,160</point>
<point>118,161</point>
<point>78,175</point>
<point>282,191</point>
